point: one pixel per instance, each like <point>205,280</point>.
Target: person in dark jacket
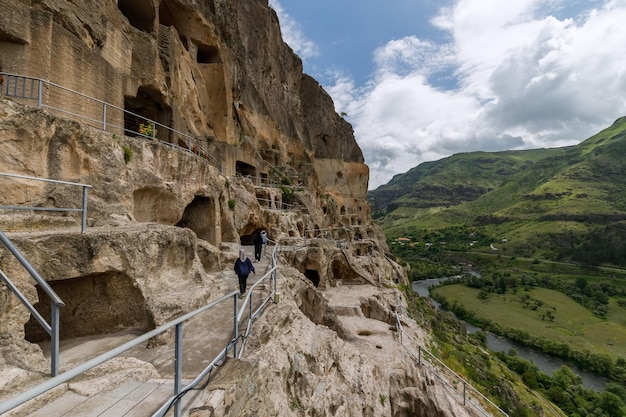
<point>243,267</point>
<point>258,246</point>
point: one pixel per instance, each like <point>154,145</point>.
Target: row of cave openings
<point>106,303</point>
<point>109,302</point>
<point>141,14</point>
<point>149,103</point>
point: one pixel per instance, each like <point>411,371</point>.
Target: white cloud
<point>524,79</point>
<point>293,35</point>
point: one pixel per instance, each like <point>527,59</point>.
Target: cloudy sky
<point>424,79</point>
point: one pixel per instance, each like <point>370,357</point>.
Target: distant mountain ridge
<point>561,197</point>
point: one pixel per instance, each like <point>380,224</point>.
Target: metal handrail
<point>82,210</point>
<point>34,91</point>
<point>55,301</point>
<point>179,390</point>
<point>466,399</point>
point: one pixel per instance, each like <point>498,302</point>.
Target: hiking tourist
<point>243,267</point>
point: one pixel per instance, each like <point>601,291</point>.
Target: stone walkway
<point>204,338</point>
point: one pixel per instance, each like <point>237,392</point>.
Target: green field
<point>572,323</point>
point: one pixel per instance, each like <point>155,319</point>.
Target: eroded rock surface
<point>167,210</point>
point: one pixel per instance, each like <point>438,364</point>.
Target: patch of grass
<point>128,153</point>
<point>573,324</point>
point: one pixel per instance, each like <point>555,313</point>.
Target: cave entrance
<point>94,304</point>
<point>343,272</point>
<point>244,169</point>
<point>208,55</point>
<point>248,239</point>
<point>140,13</point>
<point>200,216</point>
<point>148,104</point>
<point>313,276</point>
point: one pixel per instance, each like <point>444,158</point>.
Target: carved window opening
<point>208,55</point>
<point>244,169</point>
<point>149,104</point>
<point>313,276</point>
<point>95,304</point>
<point>199,216</point>
<point>343,210</point>
<point>170,15</point>
<point>140,13</point>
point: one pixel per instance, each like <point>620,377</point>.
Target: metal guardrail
<point>55,301</point>
<point>423,356</point>
<point>179,390</point>
<point>239,313</point>
<point>82,210</point>
<point>105,116</point>
<point>102,115</point>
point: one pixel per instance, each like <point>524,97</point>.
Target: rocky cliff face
<point>218,70</point>
<point>165,213</point>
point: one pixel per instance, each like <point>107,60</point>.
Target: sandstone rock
<point>167,211</point>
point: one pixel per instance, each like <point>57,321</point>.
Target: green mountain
<point>562,203</point>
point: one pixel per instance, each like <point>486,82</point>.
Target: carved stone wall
<point>217,71</point>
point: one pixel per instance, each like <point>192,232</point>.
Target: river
<point>546,363</point>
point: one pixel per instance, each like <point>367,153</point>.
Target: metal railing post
<point>104,116</point>
<point>250,306</point>
<point>235,326</point>
<point>84,217</point>
<point>178,368</point>
<point>54,340</point>
<point>464,386</point>
<point>40,94</point>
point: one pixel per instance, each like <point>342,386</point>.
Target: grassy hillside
<point>565,203</point>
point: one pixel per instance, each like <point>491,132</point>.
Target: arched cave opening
<point>199,216</point>
<point>313,276</point>
<point>245,169</point>
<point>94,304</point>
<point>248,240</point>
<point>208,55</point>
<point>153,204</point>
<point>342,271</point>
<point>149,104</point>
<point>140,13</point>
<point>343,210</point>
